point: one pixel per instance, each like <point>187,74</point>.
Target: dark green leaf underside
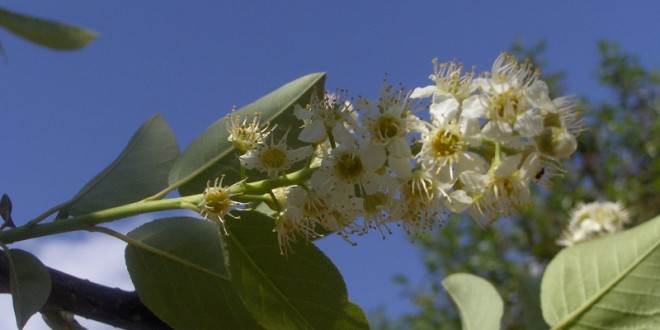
<point>51,34</point>
<point>199,297</point>
<point>138,172</point>
<point>302,291</point>
<point>29,283</point>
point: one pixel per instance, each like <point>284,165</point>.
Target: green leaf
<point>140,170</point>
<point>30,284</point>
<point>211,155</point>
<point>51,34</point>
<point>477,301</point>
<point>303,290</point>
<point>530,302</point>
<point>183,280</point>
<point>608,283</point>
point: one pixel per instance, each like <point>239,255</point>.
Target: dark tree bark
<point>113,306</point>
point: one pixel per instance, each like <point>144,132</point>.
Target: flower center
<point>349,165</point>
<point>273,158</point>
<point>375,203</point>
<point>386,127</point>
<point>446,143</point>
<point>506,105</point>
<point>418,189</point>
<point>314,207</point>
<point>217,201</point>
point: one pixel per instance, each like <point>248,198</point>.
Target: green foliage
<point>29,284</point>
<point>622,145</point>
<point>476,300</point>
<point>192,278</point>
<point>182,278</point>
<point>609,283</point>
<point>303,290</point>
<point>51,34</point>
<point>211,155</point>
<point>140,171</point>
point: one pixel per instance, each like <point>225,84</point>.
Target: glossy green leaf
<point>140,171</point>
<point>51,34</point>
<point>477,301</point>
<point>185,281</point>
<point>608,283</point>
<point>303,290</point>
<point>212,155</point>
<point>30,284</point>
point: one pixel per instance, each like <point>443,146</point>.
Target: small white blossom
<point>243,135</point>
<point>421,204</point>
<point>593,220</point>
<point>343,170</point>
<point>446,145</point>
<point>502,191</point>
<point>333,115</point>
<point>450,82</point>
<point>274,157</point>
<point>216,203</point>
<point>387,122</point>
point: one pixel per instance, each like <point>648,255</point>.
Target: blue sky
<point>66,115</point>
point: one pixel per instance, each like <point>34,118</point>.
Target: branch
<point>112,306</point>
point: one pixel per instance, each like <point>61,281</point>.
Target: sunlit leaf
<point>185,282</point>
<point>29,283</point>
<point>51,34</point>
<point>140,170</point>
<point>608,283</point>
<point>477,301</point>
<point>303,290</point>
<point>212,155</point>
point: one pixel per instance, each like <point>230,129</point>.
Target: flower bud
<point>556,142</point>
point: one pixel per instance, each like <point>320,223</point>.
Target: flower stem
<point>86,221</point>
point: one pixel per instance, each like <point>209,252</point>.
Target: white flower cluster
<point>482,142</point>
<point>593,220</point>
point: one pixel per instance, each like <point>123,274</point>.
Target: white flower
<point>336,212</point>
<point>502,191</point>
<point>274,158</point>
<point>327,117</point>
<point>376,213</point>
<point>505,99</point>
<point>450,82</point>
<point>291,223</point>
<point>562,112</point>
<point>343,169</point>
<point>243,135</point>
<point>421,202</point>
<point>216,203</point>
<point>446,144</point>
<point>593,220</point>
<point>386,123</point>
<point>377,205</point>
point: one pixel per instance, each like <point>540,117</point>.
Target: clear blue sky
<point>66,115</point>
